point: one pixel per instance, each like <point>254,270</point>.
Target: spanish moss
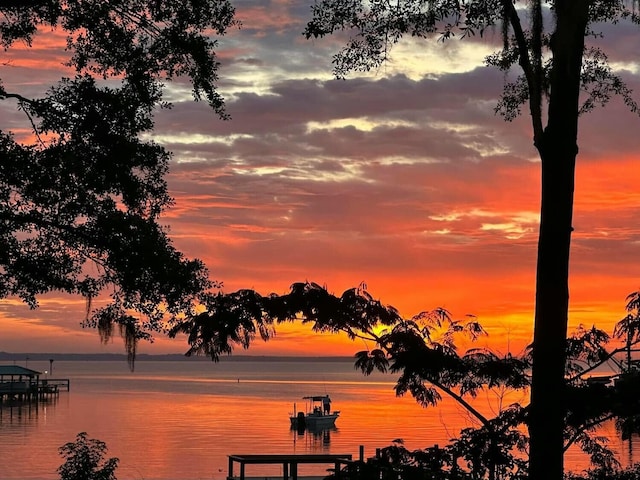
<point>128,333</point>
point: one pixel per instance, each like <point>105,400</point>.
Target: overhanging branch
<point>533,77</point>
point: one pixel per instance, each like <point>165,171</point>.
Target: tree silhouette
<point>80,197</point>
<point>556,69</point>
<point>84,460</point>
<point>423,351</point>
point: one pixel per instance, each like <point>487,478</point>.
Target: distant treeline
<point>171,357</point>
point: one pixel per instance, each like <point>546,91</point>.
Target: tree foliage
<point>552,69</point>
<point>81,195</point>
<point>84,460</point>
<point>375,27</point>
<point>423,352</point>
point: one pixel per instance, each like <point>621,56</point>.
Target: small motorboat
<point>318,414</point>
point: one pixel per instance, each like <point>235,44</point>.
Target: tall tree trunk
<point>558,149</point>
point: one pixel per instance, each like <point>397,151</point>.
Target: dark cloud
<point>404,178</point>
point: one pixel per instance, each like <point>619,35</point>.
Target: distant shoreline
<point>169,357</point>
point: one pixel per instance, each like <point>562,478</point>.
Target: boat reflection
<point>313,435</point>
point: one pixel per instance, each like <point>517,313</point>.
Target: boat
<point>318,415</point>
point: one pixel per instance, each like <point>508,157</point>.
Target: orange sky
<point>403,179</point>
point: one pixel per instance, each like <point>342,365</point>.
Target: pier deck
<point>278,477</point>
<point>22,384</point>
<point>289,464</point>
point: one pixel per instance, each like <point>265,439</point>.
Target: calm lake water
<point>180,420</point>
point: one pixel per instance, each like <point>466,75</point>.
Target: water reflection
<point>314,436</point>
<point>17,413</point>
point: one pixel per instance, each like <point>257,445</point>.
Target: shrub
<point>84,460</point>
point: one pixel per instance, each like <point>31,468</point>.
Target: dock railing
<point>33,390</point>
<point>62,384</point>
<point>289,463</point>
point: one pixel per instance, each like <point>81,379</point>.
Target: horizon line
<point>46,356</point>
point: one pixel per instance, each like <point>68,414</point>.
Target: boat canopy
<point>317,398</point>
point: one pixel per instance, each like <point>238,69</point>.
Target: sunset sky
<point>403,178</point>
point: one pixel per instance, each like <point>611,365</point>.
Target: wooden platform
<point>289,464</point>
<point>22,384</point>
<point>26,392</point>
<point>271,477</point>
<point>278,477</point>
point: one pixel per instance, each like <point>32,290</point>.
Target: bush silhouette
<point>84,460</point>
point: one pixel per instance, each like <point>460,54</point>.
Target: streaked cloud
<point>403,178</point>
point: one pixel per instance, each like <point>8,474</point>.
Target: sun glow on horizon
<point>402,177</point>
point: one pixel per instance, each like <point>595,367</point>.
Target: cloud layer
<point>403,178</point>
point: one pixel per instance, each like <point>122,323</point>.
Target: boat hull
<point>315,421</point>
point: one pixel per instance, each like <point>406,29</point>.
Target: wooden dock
<point>278,477</point>
<point>289,464</point>
<point>20,384</point>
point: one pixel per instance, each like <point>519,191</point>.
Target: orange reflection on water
<point>183,419</point>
